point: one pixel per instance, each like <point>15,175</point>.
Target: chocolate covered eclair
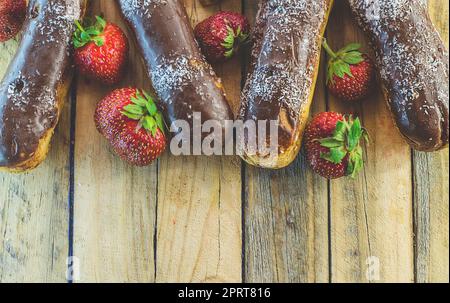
<point>34,88</point>
<point>413,67</point>
<point>283,73</point>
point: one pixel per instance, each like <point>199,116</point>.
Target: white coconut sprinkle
<point>131,8</point>
<point>286,57</point>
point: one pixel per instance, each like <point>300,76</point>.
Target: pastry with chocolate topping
<point>36,83</point>
<point>413,65</point>
<point>283,72</point>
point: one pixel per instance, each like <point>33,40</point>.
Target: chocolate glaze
<point>413,67</point>
<point>28,92</point>
<point>257,35</point>
<point>183,80</point>
<point>285,57</point>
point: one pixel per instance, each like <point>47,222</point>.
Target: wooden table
<point>216,219</point>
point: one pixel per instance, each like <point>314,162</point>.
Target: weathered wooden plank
<point>199,201</point>
<point>371,217</point>
<point>114,203</point>
<point>431,196</point>
<point>286,216</point>
<point>7,51</point>
<point>34,214</point>
<point>199,221</point>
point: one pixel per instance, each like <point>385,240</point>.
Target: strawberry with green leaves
<point>333,145</point>
<point>220,36</point>
<point>350,74</point>
<point>101,51</point>
<point>129,119</point>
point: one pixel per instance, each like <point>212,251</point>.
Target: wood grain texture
<point>7,51</point>
<point>286,216</point>
<point>180,220</point>
<point>371,216</point>
<point>431,196</point>
<point>114,204</point>
<point>34,214</point>
<point>199,201</point>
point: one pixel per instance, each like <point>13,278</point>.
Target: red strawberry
<point>101,51</point>
<point>221,35</point>
<point>131,122</point>
<point>12,15</point>
<point>333,145</point>
<point>350,73</point>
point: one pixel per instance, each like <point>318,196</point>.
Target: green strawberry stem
<point>328,49</point>
<point>340,61</point>
<point>92,33</point>
<point>79,26</point>
<point>144,110</point>
<point>345,142</point>
<point>233,40</point>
